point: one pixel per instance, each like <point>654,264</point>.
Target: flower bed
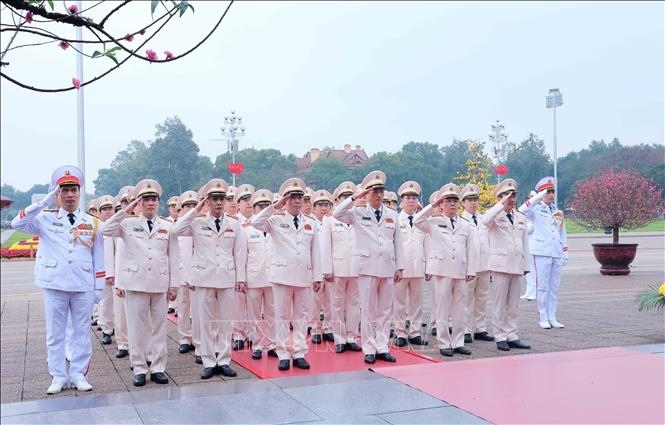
<point>17,253</point>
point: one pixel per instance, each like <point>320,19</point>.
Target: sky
<point>374,74</point>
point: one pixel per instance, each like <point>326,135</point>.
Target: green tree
<point>327,173</point>
<point>128,168</point>
<point>264,169</point>
<point>528,162</point>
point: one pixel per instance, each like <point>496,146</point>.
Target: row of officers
<point>247,266</point>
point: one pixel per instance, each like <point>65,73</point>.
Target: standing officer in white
<point>378,260</point>
<point>105,208</point>
<point>452,262</point>
<point>148,274</point>
<point>548,247</point>
<point>508,263</point>
<point>408,292</point>
<point>478,289</point>
<point>294,271</point>
<point>321,329</point>
<point>218,270</point>
<point>70,269</point>
<point>336,249</point>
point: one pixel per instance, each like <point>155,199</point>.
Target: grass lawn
<point>17,236</point>
<point>572,227</point>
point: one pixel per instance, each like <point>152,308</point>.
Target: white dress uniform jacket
<point>339,235</point>
<point>509,243</point>
<point>414,247</point>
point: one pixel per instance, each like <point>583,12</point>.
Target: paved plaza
<point>598,311</point>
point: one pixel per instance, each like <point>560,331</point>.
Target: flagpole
<point>80,121</point>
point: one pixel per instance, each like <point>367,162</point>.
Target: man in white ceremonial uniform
<point>548,248</point>
<point>530,290</point>
<point>321,315</point>
<point>172,204</point>
<point>478,288</point>
<point>452,263</point>
<point>105,320</point>
<point>69,267</point>
<point>508,263</point>
<point>295,268</point>
<point>260,298</point>
<point>378,259</point>
<point>336,251</point>
<point>188,321</point>
<point>218,270</point>
<point>241,198</point>
<point>408,292</point>
<point>149,278</point>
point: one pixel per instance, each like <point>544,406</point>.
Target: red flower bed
<point>16,253</point>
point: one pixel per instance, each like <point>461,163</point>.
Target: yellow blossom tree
<point>478,167</point>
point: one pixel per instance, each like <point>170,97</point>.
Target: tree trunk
<point>615,235</point>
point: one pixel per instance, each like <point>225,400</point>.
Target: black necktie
<point>217,221</point>
<point>150,225</point>
<point>474,219</point>
<point>510,217</point>
<point>551,208</point>
<point>452,223</point>
<point>295,222</point>
<point>265,234</point>
<point>377,213</point>
<point>411,220</point>
<point>72,218</point>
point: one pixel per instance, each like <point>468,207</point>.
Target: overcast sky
<point>375,74</point>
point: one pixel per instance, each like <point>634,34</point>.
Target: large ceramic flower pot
<point>614,259</point>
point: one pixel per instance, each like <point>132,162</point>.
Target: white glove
<point>98,295</point>
<point>48,199</point>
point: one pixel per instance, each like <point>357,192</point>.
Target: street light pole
<point>498,138</point>
<point>233,131</point>
<point>553,99</point>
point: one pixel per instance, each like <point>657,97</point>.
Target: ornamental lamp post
<point>498,138</point>
<point>233,131</point>
<point>553,99</point>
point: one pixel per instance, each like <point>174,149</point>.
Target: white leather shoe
<point>531,298</point>
<point>81,384</point>
<point>523,297</point>
<point>556,324</point>
<point>56,386</point>
<point>544,324</point>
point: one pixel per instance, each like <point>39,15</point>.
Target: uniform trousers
<point>376,297</point>
<point>240,324</point>
<point>146,330</point>
<point>548,280</point>
<point>505,305</point>
<point>408,305</point>
<point>57,306</point>
<point>530,278</point>
<point>184,312</point>
<point>292,304</point>
<point>321,304</point>
<point>344,309</point>
<point>476,302</point>
<point>120,322</point>
<point>106,310</point>
<point>450,296</point>
<point>215,316</point>
<point>261,302</point>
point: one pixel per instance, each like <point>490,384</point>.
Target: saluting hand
<point>131,206</point>
<point>202,203</point>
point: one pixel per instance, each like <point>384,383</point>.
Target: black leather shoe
<point>159,378</point>
<point>340,348</point>
<point>483,336</point>
<point>392,334</point>
<point>198,360</point>
<point>121,353</point>
<point>503,346</point>
<point>106,339</point>
<point>184,348</point>
<point>99,328</point>
<point>93,323</point>
<point>450,330</point>
<point>417,341</point>
<point>446,352</point>
<point>301,363</point>
<point>386,357</point>
<point>225,370</point>
<point>353,346</point>
<point>370,358</point>
<point>284,364</point>
<point>238,344</point>
<point>256,354</point>
<point>208,372</point>
<point>400,342</point>
<point>328,337</point>
<point>139,380</point>
<point>309,329</point>
<point>518,344</point>
<point>170,311</point>
<point>462,350</point>
<point>316,339</point>
<point>468,339</point>
<point>434,331</point>
<point>272,353</point>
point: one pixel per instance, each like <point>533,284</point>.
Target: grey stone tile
<point>273,406</point>
<point>326,378</point>
<point>98,415</point>
<point>437,415</point>
<point>362,397</point>
<point>361,420</point>
<point>649,348</point>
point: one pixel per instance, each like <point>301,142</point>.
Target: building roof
<point>352,158</point>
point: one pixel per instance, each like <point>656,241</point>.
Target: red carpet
<point>323,359</point>
<point>604,385</point>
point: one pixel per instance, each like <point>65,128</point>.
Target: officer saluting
<point>70,269</point>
